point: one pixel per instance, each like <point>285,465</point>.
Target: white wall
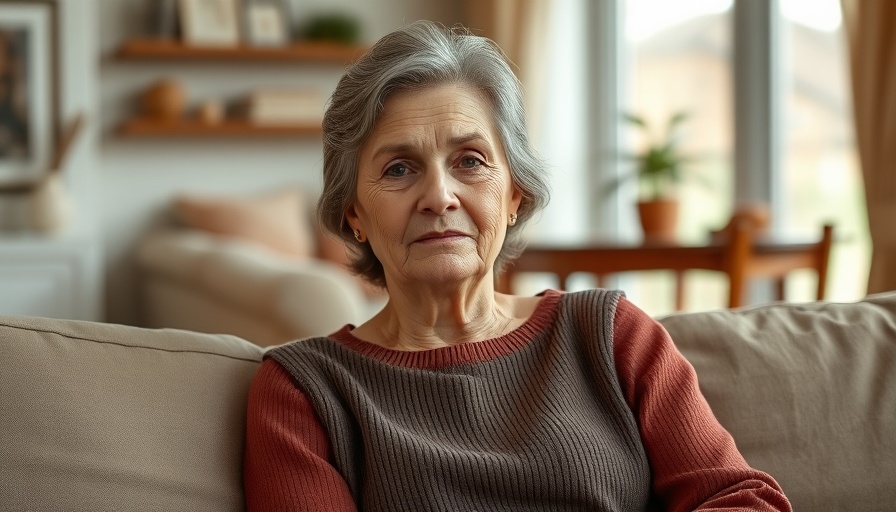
<point>138,178</point>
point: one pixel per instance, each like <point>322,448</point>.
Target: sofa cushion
<point>808,391</point>
<point>105,417</point>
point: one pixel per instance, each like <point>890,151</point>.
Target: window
<point>821,180</point>
<point>679,59</point>
<point>675,55</point>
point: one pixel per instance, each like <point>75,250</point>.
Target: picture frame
<point>210,22</point>
<point>29,96</point>
<point>266,23</point>
<point>164,14</point>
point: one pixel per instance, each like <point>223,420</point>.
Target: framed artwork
<point>210,22</point>
<point>29,95</point>
<point>266,23</point>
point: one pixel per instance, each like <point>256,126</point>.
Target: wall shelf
<point>228,128</point>
<point>174,50</point>
<point>148,50</point>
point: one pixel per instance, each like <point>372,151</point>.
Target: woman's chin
<point>442,271</point>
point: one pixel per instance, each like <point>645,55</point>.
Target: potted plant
<point>658,168</point>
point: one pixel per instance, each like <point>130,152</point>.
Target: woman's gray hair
<point>421,54</point>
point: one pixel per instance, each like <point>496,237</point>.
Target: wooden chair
<point>749,259</point>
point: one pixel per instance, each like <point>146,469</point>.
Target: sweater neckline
<point>463,353</point>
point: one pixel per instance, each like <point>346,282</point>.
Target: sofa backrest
<point>808,391</point>
<point>106,417</point>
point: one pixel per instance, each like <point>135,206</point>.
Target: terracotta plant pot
<point>659,219</point>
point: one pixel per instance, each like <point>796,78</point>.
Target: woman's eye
<point>396,170</point>
<point>469,162</point>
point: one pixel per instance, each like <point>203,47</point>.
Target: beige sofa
<point>105,417</point>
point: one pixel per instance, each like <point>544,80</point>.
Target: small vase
<point>49,207</point>
<point>163,101</point>
<point>659,220</point>
<point>211,112</point>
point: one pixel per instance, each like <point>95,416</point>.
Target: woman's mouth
<point>444,236</point>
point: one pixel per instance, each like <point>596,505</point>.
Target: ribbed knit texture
<point>524,426</point>
<point>534,420</point>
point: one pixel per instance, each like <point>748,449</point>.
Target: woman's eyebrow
<point>404,147</point>
<point>469,137</point>
<point>392,148</point>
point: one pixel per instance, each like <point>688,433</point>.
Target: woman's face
<point>434,191</point>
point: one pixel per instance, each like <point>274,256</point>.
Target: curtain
<point>871,31</point>
<point>520,28</point>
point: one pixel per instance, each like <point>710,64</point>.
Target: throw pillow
<point>277,220</point>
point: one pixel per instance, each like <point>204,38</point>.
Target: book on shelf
<point>284,106</point>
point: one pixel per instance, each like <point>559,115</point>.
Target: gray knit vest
<point>545,427</point>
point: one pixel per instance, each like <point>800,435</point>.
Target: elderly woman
<point>454,396</point>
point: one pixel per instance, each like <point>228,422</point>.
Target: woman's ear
<point>516,198</point>
<point>351,217</point>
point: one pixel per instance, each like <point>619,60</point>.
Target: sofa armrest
<point>304,296</point>
<point>110,417</point>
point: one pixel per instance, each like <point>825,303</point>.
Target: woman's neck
<point>430,319</point>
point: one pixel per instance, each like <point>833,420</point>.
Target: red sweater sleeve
<point>288,457</point>
<point>694,461</point>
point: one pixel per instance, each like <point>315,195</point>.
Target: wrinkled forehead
<point>444,112</point>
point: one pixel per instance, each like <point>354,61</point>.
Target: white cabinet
<point>52,277</point>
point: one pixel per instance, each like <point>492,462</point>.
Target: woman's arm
<point>288,457</point>
<point>694,461</point>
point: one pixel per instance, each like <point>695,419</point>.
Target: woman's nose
<point>437,195</point>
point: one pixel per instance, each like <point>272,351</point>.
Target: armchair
<point>248,265</point>
<point>199,281</point>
